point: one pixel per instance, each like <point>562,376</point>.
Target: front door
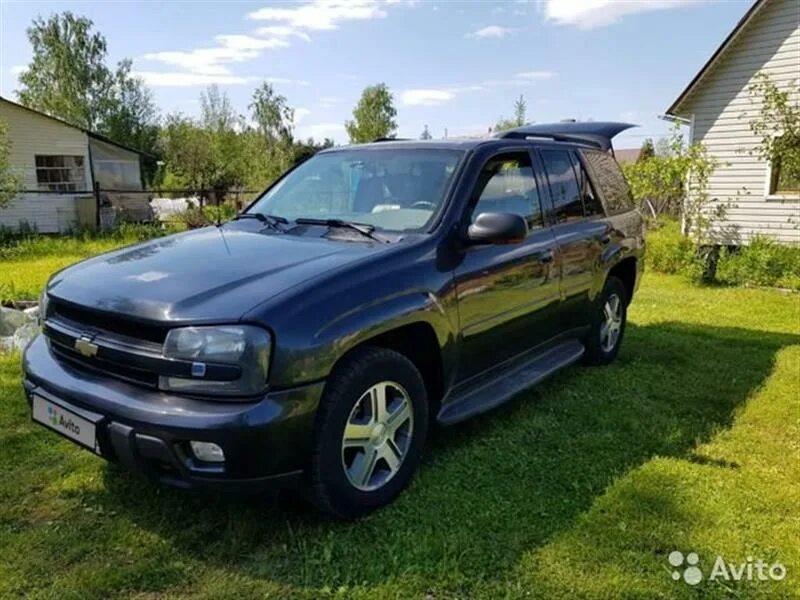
<point>507,293</point>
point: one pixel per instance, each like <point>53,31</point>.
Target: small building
<point>627,155</point>
<point>718,107</point>
<point>58,163</point>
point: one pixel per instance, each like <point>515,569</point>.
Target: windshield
<point>391,189</point>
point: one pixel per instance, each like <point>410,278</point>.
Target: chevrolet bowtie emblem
<point>85,346</point>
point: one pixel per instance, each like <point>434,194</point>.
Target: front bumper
<point>267,443</point>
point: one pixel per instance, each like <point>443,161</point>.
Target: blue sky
<point>450,64</point>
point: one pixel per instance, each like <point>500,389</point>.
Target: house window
<point>781,180</point>
<point>60,173</point>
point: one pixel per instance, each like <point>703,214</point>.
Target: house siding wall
<point>31,134</point>
<point>722,109</point>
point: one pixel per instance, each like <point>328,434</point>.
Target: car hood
<point>214,274</point>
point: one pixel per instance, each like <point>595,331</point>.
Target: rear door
<point>581,231</point>
<point>507,293</point>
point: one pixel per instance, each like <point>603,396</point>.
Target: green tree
<point>518,120</point>
<point>373,116</point>
<point>777,123</point>
<point>274,120</point>
<point>426,135</point>
<point>303,150</point>
<point>9,181</point>
<point>674,181</point>
<point>68,78</point>
<point>216,153</point>
<point>648,150</point>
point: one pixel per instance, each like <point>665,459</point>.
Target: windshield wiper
<point>270,220</point>
<point>364,229</point>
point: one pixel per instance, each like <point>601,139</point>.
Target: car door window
<point>506,184</point>
<point>564,187</point>
<point>610,180</point>
<point>591,203</point>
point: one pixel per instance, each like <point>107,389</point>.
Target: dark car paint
<point>320,298</point>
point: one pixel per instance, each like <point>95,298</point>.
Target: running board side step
<point>513,377</point>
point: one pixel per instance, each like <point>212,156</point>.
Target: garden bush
<point>764,262</point>
<point>668,250</point>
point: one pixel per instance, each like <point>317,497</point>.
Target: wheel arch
<point>626,271</point>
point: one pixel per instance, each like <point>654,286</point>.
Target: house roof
<point>718,53</point>
<point>627,155</point>
<point>88,132</point>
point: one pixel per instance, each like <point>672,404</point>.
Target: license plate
<point>65,422</point>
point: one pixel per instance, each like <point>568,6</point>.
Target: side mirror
<point>497,228</point>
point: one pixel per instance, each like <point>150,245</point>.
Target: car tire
<point>363,454</point>
<point>608,323</point>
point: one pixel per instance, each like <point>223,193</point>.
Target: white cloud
<point>213,61</point>
<point>321,14</point>
<point>426,97</point>
<point>438,96</point>
<point>588,14</point>
<point>283,31</point>
<point>300,114</point>
<point>184,79</point>
<point>535,75</point>
<point>285,80</point>
<point>491,31</point>
<point>246,42</point>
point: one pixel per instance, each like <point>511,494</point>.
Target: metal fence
<point>104,207</point>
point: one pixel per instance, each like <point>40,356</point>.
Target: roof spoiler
<point>595,133</point>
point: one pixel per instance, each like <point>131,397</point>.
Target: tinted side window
<point>591,203</point>
<point>563,185</point>
<point>609,178</point>
<point>506,184</point>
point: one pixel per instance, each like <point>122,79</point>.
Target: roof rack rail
<point>594,133</point>
<point>389,139</point>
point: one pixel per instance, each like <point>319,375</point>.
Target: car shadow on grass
<point>490,489</point>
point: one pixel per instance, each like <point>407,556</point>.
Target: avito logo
<point>751,570</point>
<point>58,420</point>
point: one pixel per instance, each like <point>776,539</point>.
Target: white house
<point>58,164</point>
<point>718,107</point>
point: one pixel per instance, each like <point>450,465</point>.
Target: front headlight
<point>44,303</point>
<point>244,346</point>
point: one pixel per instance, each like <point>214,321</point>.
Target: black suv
<point>371,291</point>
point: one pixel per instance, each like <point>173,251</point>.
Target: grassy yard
<point>578,489</point>
<point>26,264</point>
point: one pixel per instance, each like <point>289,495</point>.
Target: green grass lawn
<point>26,264</point>
<point>579,488</point>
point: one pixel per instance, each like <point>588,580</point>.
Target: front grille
<point>93,320</point>
<point>94,365</point>
<point>121,341</point>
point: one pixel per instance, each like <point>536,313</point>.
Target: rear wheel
<point>608,325</point>
<point>370,429</point>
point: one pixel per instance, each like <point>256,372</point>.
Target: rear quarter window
<point>608,177</point>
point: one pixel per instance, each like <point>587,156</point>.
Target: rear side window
<point>609,178</point>
<point>563,186</point>
<point>591,203</point>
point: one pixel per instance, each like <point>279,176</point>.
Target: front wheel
<point>608,324</point>
<point>370,429</point>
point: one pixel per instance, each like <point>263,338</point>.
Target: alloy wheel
<point>612,323</point>
<point>377,436</point>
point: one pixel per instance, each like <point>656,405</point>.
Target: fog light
<point>207,452</point>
